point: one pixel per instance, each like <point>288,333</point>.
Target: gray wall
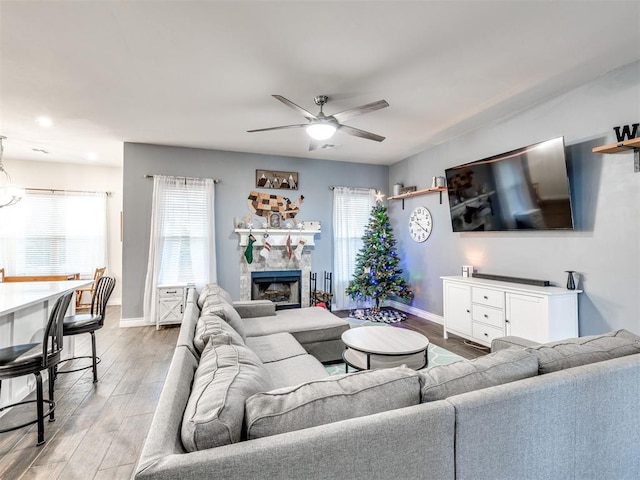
<point>604,248</point>
<point>237,172</point>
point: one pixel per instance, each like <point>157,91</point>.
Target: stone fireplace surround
<point>278,258</point>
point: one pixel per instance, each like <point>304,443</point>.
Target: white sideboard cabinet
<point>481,310</point>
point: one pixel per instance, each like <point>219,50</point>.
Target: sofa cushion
<point>574,352</point>
<point>226,376</point>
<point>254,308</point>
<point>272,348</point>
<point>330,400</point>
<point>212,325</point>
<point>295,370</point>
<point>309,324</point>
<point>497,368</point>
<point>224,310</point>
<point>214,290</point>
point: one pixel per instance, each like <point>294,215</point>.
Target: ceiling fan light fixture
<point>321,130</point>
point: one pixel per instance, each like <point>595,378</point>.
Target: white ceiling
<point>201,73</point>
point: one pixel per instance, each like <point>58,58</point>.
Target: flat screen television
<point>525,189</point>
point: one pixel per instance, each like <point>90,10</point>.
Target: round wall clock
<point>420,224</point>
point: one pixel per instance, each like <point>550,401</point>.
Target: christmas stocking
<point>248,252</point>
<point>266,250</point>
<point>289,249</point>
<point>299,247</point>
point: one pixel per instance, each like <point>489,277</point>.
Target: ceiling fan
<point>322,127</point>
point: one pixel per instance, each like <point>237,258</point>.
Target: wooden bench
<point>41,278</point>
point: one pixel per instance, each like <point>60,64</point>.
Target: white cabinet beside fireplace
<point>481,310</point>
<point>171,303</point>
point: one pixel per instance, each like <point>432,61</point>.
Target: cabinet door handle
<point>485,297</point>
<point>486,334</point>
<point>468,311</point>
<point>486,316</point>
<point>506,321</point>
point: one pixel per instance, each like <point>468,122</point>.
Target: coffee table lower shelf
<point>366,361</point>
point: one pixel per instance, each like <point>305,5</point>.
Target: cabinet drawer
<point>492,316</point>
<point>488,297</point>
<point>167,292</point>
<point>485,333</point>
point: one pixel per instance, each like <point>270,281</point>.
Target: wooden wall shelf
<point>425,191</point>
<point>623,147</point>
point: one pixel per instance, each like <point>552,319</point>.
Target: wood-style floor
<point>99,429</point>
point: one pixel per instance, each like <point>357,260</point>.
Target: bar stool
<point>89,323</point>
<point>25,359</point>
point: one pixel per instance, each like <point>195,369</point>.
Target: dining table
<point>24,312</point>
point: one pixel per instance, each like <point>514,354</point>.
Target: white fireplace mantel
<point>277,237</point>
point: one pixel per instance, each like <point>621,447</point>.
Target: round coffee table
<point>381,347</point>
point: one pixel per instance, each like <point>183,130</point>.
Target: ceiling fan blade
<point>356,132</point>
<point>354,112</point>
<point>295,107</point>
<point>314,144</point>
<point>284,127</point>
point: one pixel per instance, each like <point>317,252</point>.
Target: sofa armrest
<point>255,308</point>
<point>502,343</point>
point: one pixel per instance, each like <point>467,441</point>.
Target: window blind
<point>54,234</point>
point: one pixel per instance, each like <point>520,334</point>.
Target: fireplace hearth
<point>282,287</point>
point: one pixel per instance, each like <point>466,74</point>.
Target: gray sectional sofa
<point>567,410</point>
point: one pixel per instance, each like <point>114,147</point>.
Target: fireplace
<point>282,287</point>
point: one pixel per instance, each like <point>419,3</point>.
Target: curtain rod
<point>55,190</point>
<point>215,180</point>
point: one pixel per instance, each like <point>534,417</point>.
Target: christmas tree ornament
<point>248,252</point>
<point>266,250</point>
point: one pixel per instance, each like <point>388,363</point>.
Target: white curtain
<point>351,211</point>
<point>182,239</point>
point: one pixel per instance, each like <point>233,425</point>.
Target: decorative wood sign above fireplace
<point>273,179</point>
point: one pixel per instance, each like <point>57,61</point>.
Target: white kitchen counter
<point>19,295</point>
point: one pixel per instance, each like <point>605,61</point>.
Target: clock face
<point>420,224</point>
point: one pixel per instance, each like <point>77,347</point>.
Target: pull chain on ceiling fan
<point>322,127</point>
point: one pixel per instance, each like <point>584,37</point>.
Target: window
<point>182,239</point>
<point>54,233</point>
<point>184,235</point>
<point>351,211</point>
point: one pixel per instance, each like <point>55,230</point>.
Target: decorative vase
<point>571,283</point>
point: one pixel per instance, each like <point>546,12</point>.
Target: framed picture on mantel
<point>274,179</point>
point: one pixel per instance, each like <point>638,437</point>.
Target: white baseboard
<point>416,311</point>
<point>134,322</point>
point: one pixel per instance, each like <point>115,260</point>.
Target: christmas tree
<point>377,275</point>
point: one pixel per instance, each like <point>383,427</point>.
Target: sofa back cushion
<point>226,376</point>
<point>330,400</point>
<point>574,352</point>
<point>224,310</point>
<point>215,291</point>
<point>464,376</point>
<point>209,326</point>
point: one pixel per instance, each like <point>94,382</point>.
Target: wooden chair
<point>1,275</point>
<point>89,289</point>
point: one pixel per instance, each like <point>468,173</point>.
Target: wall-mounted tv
<point>525,189</point>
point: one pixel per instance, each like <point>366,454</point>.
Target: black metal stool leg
<point>95,363</point>
<point>40,406</point>
<point>52,376</point>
